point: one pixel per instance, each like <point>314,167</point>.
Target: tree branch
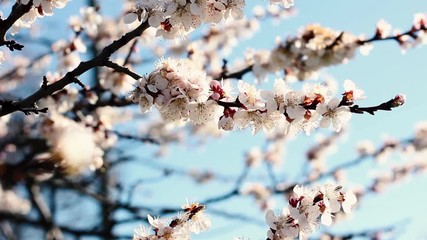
<point>80,69</point>
<point>122,69</point>
<point>54,232</point>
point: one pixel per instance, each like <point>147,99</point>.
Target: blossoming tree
<point>88,112</point>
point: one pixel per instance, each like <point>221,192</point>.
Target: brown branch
<point>54,232</point>
<point>69,78</point>
<point>135,138</point>
<point>26,110</point>
<point>235,75</point>
<point>386,106</point>
<point>7,230</point>
<point>377,37</point>
<point>131,50</point>
<point>122,69</point>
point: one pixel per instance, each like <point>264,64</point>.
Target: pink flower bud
<point>399,100</point>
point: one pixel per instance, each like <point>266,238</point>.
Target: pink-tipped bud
<point>399,100</point>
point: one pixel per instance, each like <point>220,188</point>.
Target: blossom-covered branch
<point>316,47</point>
<point>183,92</point>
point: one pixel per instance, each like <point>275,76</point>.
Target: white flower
<point>142,233</point>
<point>157,223</point>
<point>283,225</point>
<point>12,203</point>
<point>258,120</point>
<point>75,147</point>
<point>293,101</point>
<point>276,100</point>
<point>351,92</point>
<point>175,110</point>
<point>330,202</point>
<point>195,218</point>
<point>366,49</point>
<point>226,123</point>
<point>202,112</point>
<point>333,113</point>
<point>383,28</point>
<point>349,200</point>
<point>249,96</point>
<point>47,6</point>
<point>145,102</point>
<point>91,20</point>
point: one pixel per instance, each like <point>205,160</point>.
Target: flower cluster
<point>308,208</point>
<point>191,221</point>
<point>417,35</point>
<point>180,91</point>
<point>12,203</point>
<point>218,42</point>
<point>73,147</point>
<point>177,18</point>
<point>303,55</point>
<point>89,20</point>
<point>39,9</point>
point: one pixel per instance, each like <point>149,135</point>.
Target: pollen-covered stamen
<point>341,197</point>
<point>193,209</point>
<point>318,198</point>
<point>175,223</point>
<point>307,115</point>
<point>322,207</point>
<point>290,221</point>
<point>307,101</point>
<point>348,98</point>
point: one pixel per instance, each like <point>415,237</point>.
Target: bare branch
<point>122,69</point>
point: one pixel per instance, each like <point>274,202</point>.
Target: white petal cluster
<point>179,91</point>
<point>218,42</point>
<point>309,207</point>
<point>46,7</point>
<point>416,36</point>
<point>191,221</point>
<point>303,55</point>
<point>333,113</point>
<point>12,203</point>
<point>40,8</point>
<point>177,18</point>
<point>89,20</point>
<point>73,146</point>
<point>182,92</point>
